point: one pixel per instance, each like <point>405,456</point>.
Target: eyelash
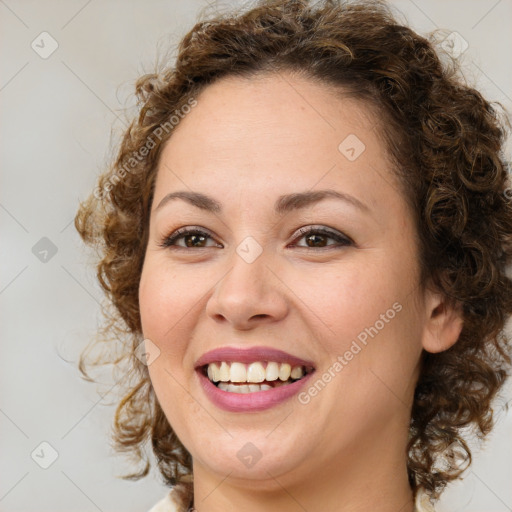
<point>343,240</point>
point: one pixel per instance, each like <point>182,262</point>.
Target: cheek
<point>346,300</point>
<point>167,310</point>
<point>365,313</point>
<point>165,297</point>
<point>373,343</point>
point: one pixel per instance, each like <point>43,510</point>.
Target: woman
<point>305,233</point>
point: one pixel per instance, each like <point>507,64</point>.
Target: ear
<point>444,322</point>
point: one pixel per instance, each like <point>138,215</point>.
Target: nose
<point>250,294</point>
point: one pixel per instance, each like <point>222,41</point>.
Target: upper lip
<point>249,355</point>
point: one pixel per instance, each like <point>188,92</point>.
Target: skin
<point>245,144</point>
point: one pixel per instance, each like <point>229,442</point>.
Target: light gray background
<point>57,114</point>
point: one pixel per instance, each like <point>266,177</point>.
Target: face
<point>286,240</point>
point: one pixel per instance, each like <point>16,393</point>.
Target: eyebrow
<point>283,204</point>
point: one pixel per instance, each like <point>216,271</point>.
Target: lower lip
<point>250,402</point>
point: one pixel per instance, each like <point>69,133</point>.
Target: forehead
<point>278,129</point>
<point>237,110</point>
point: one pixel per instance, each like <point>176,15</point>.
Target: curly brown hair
<point>446,141</point>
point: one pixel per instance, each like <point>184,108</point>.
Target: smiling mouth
<point>237,377</point>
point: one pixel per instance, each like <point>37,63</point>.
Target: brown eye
<point>316,240</point>
<point>190,238</point>
<point>321,237</point>
<point>194,240</point>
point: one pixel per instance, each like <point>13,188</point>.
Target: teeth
<point>213,372</point>
<point>237,372</point>
<point>272,371</point>
<point>254,372</point>
<point>284,371</point>
<point>297,372</point>
<point>224,371</point>
<point>236,388</point>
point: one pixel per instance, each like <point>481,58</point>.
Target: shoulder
<point>166,504</point>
